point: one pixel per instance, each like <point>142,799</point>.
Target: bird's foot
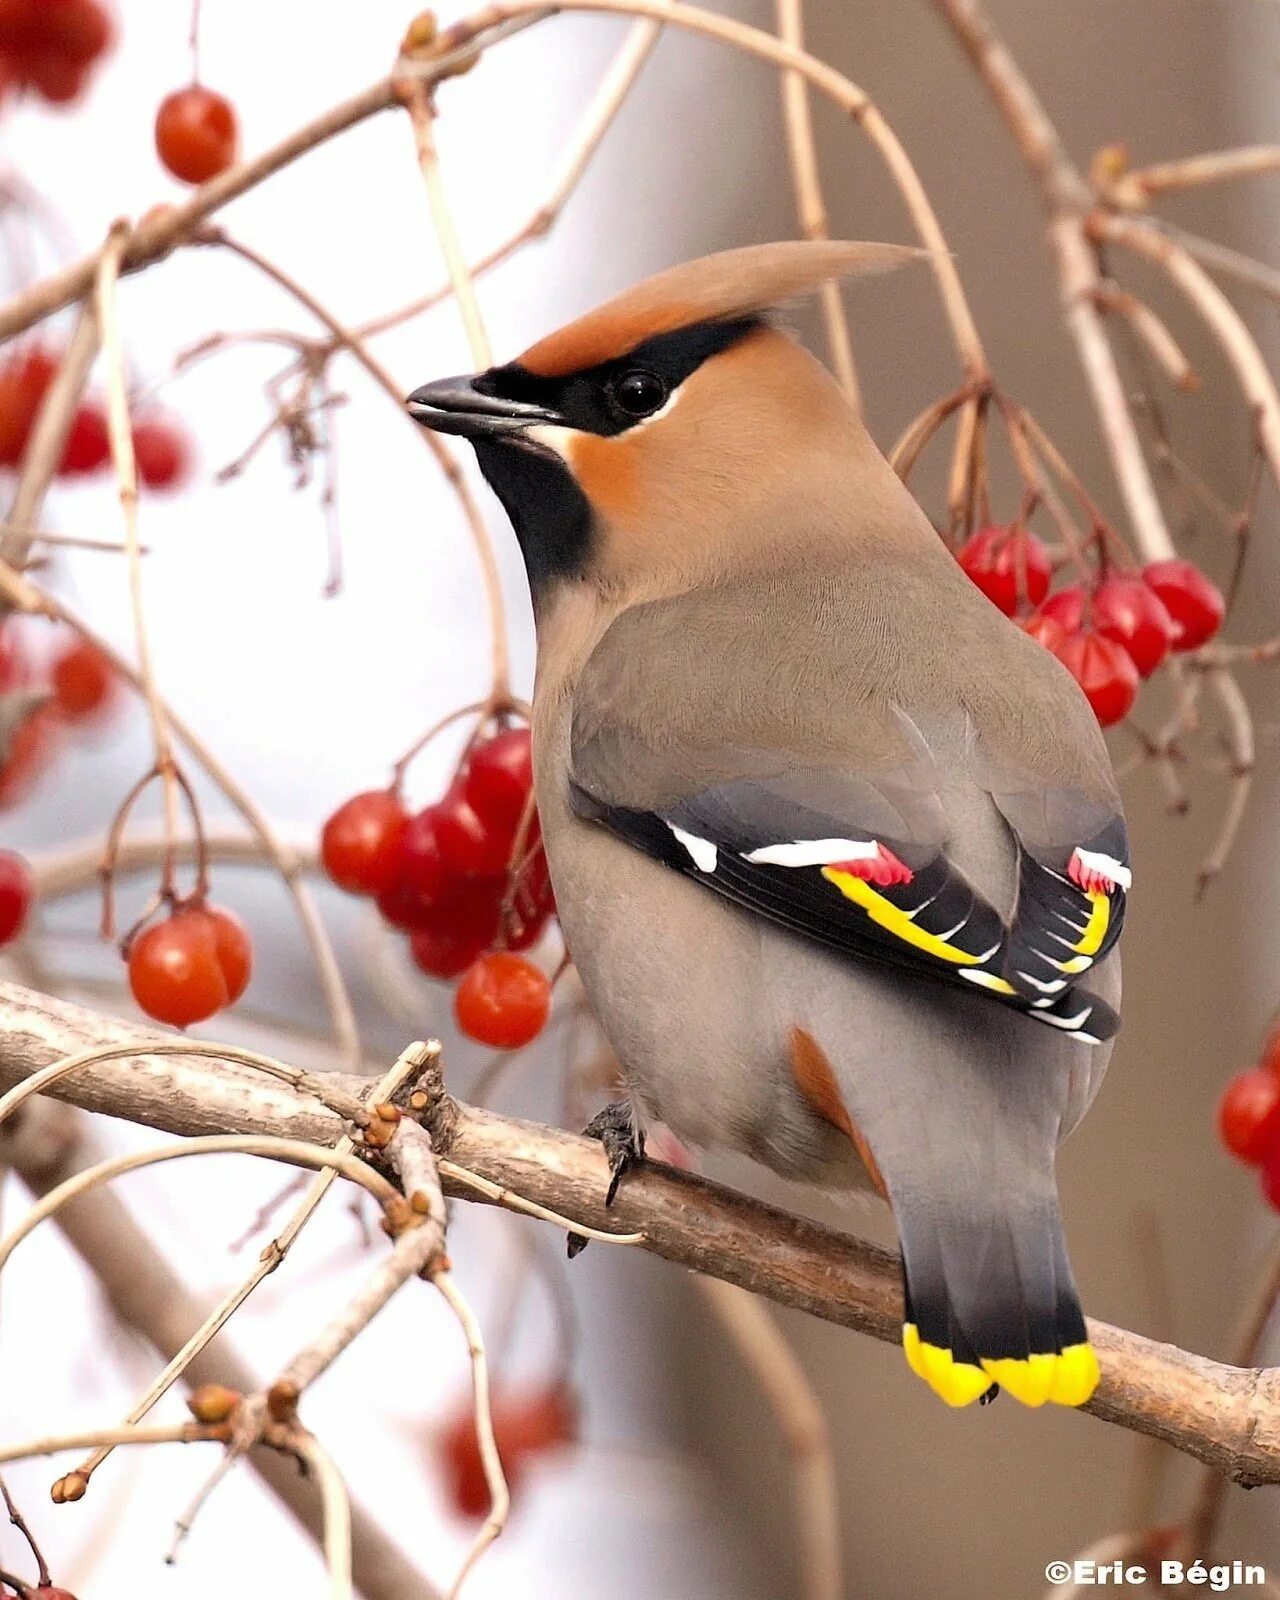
<point>623,1142</point>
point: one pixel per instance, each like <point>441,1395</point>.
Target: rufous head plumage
<point>669,423</point>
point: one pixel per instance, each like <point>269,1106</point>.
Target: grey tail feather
<point>988,1285</point>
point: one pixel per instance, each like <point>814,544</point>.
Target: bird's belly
<point>675,976</point>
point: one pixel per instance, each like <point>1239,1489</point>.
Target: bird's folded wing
<point>1073,878</point>
<point>854,862</point>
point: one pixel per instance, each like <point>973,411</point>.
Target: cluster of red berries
<point>1249,1118</point>
<point>446,876</point>
<point>1109,634</point>
<point>197,134</point>
<point>49,46</point>
<point>160,446</point>
<point>526,1426</point>
<point>78,687</point>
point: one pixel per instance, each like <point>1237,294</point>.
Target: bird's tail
<point>990,1300</point>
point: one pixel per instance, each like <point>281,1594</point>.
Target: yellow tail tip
<point>957,1383</point>
<point>1065,1379</point>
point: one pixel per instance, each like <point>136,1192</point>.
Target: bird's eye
<point>639,393</point>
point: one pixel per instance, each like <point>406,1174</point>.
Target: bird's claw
<point>615,1128</point>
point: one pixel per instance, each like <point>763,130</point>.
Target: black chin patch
<point>550,514</point>
<point>587,400</point>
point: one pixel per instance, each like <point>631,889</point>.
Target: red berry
<point>1104,671</point>
<point>23,382</point>
<point>1271,1176</point>
<point>48,1591</point>
<point>88,448</point>
<point>471,845</point>
<point>500,778</point>
<point>32,746</point>
<point>1044,630</point>
<point>1193,602</point>
<point>17,890</point>
<point>360,843</point>
<point>16,670</point>
<point>422,867</point>
<point>175,971</point>
<point>1128,611</point>
<point>1066,608</point>
<point>78,29</point>
<point>58,78</point>
<point>83,681</point>
<point>162,453</point>
<point>458,929</point>
<point>1009,565</point>
<point>234,948</point>
<point>1249,1115</point>
<point>196,133</point>
<point>503,1001</point>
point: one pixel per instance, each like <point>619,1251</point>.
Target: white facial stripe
<point>814,852</point>
<point>1106,866</point>
<point>702,852</point>
<point>555,436</point>
<point>662,411</point>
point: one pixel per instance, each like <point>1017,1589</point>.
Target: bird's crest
<point>734,283</point>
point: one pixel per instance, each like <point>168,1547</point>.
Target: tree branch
<point>1227,1417</point>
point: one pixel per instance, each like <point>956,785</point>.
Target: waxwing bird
<point>835,846</point>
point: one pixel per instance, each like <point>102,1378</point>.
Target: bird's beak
<point>455,405</point>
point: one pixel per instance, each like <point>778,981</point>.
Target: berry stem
<point>43,1580</point>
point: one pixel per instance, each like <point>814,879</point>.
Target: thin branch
<point>495,1478</point>
<point>1151,333</point>
<point>1218,314</point>
<point>337,1514</point>
<point>1138,188</point>
<point>48,439</point>
<point>295,1151</point>
<point>771,1361</point>
<point>1220,258</point>
<point>810,205</point>
<point>422,115</point>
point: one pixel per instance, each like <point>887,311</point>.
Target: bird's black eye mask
<point>614,396</point>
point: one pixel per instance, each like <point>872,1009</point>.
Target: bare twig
<point>422,115</point>
<point>1137,189</point>
<point>810,205</point>
<point>773,1364</point>
<point>48,438</point>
